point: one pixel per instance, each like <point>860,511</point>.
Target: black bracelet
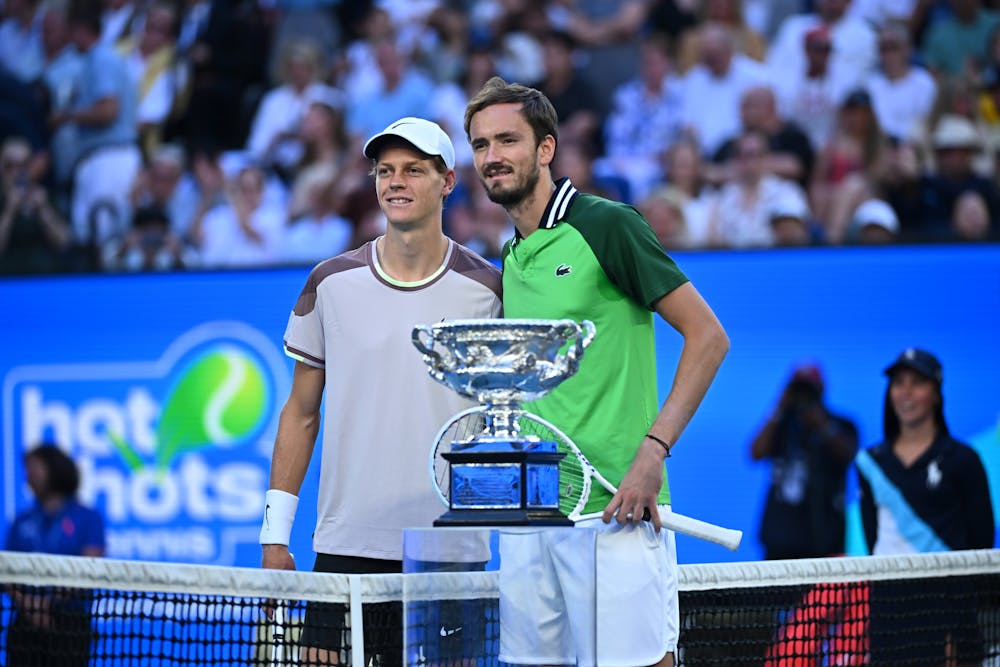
<point>661,442</point>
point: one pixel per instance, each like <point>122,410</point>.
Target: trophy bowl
<point>497,361</point>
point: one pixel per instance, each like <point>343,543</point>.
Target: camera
<point>802,396</point>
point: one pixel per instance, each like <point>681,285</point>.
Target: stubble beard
<point>510,198</point>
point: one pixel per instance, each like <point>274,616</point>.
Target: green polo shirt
<point>598,260</point>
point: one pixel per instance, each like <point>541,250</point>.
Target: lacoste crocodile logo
<point>563,270</point>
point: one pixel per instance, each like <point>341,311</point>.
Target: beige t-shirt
<point>382,409</point>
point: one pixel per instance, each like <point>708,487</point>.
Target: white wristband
<point>279,513</point>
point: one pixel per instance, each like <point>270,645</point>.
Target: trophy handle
<point>579,336</point>
<point>420,333</point>
<point>584,336</point>
<point>423,340</point>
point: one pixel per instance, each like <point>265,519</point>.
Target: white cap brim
<point>425,136</point>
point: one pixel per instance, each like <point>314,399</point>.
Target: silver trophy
<point>496,475</point>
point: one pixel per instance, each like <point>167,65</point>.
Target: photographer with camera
<point>810,449</point>
<point>34,237</point>
<point>149,245</point>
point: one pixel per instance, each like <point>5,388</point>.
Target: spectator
<point>874,223</point>
<point>881,13</point>
<point>988,107</point>
<point>325,146</point>
<point>60,73</point>
<point>575,160</point>
<point>120,19</point>
<point>275,137</point>
<point>193,19</point>
<point>34,237</point>
<point>315,21</point>
<point>151,57</point>
<point>209,186</point>
<point>922,490</point>
<point>810,449</point>
<point>447,105</point>
<point>645,119</point>
<point>104,114</point>
<point>902,93</point>
<point>766,16</point>
<point>318,232</point>
<point>517,32</point>
<point>970,221</point>
<point>358,74</point>
<point>673,17</point>
<point>791,153</point>
<point>227,68</point>
<point>746,40</point>
<point>955,44</point>
<point>608,35</point>
<point>21,53</point>
<point>740,216</point>
<point>48,629</point>
<point>685,170</point>
<point>850,166</point>
<point>900,183</point>
<point>570,91</point>
<point>791,222</point>
<point>714,87</point>
<point>956,143</point>
<point>405,91</point>
<point>165,184</point>
<point>150,245</point>
<point>853,40</point>
<point>23,110</point>
<point>442,47</point>
<point>664,211</point>
<point>245,231</point>
<point>957,96</point>
<point>810,97</point>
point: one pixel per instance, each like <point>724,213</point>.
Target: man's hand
<point>277,557</point>
<point>639,489</point>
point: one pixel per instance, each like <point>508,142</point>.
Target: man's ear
<point>547,150</point>
<point>449,183</point>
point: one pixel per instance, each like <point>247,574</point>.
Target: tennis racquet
<point>278,636</point>
<point>576,474</point>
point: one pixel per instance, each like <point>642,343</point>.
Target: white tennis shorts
<point>555,611</point>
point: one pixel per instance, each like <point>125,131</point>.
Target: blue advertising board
<point>167,388</point>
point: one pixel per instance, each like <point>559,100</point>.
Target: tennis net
<point>906,610</point>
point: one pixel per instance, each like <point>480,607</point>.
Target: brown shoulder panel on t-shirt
<point>351,259</point>
<point>474,267</point>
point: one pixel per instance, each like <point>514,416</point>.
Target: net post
<point>357,624</point>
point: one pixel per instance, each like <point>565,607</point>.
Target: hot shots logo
<point>175,452</point>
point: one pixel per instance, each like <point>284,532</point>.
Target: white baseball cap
<point>426,136</point>
<point>876,212</point>
<point>789,204</point>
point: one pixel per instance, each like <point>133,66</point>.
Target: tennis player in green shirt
<point>579,256</point>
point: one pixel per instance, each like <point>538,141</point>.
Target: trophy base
<point>501,517</point>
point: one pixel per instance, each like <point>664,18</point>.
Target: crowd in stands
<point>168,134</point>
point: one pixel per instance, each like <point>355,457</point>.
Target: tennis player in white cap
<point>350,334</point>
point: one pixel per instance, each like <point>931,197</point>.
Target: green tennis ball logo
<point>220,398</point>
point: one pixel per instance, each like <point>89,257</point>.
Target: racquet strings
<point>460,429</point>
<point>574,483</point>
